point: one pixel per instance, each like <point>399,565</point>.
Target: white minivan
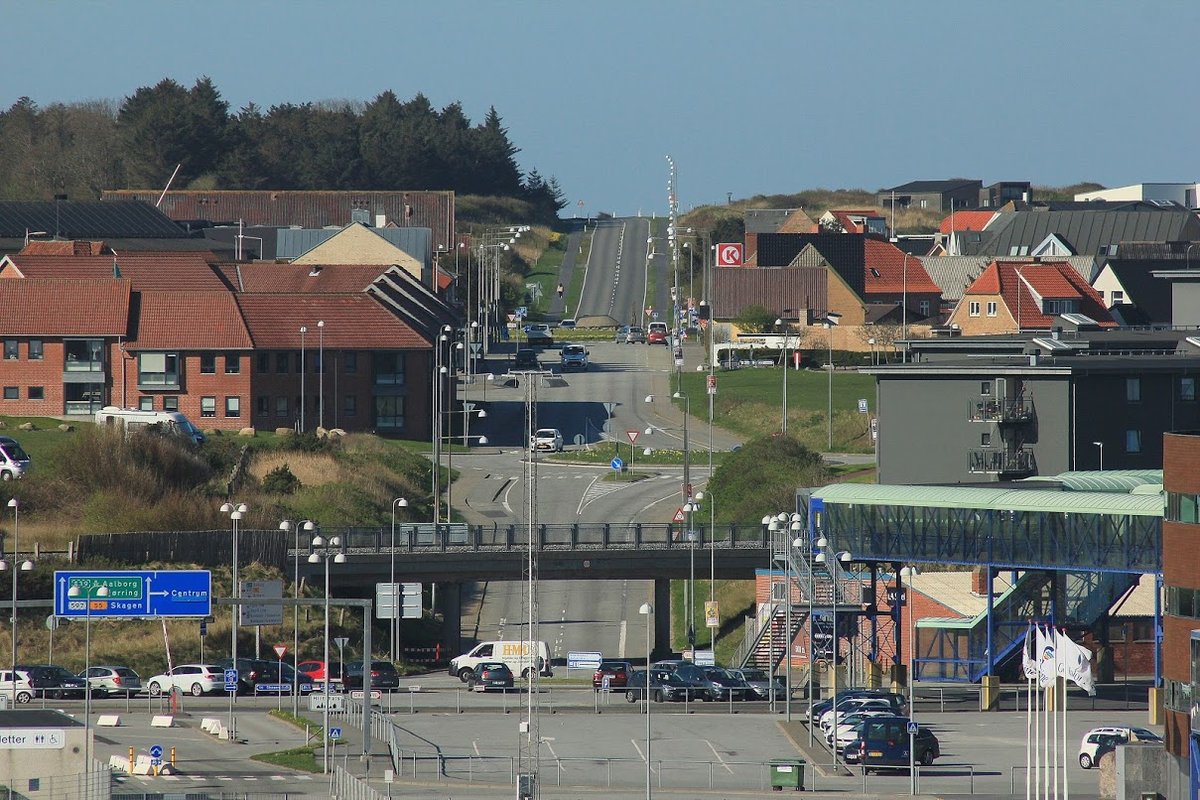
<point>132,419</point>
<point>515,655</point>
<point>14,461</point>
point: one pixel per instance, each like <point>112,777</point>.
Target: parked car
<point>759,681</point>
<point>725,685</point>
<point>24,685</point>
<point>567,324</point>
<point>664,686</point>
<point>658,333</point>
<point>383,676</point>
<point>314,671</point>
<point>538,335</point>
<point>1097,741</point>
<point>255,671</point>
<point>195,679</point>
<point>490,675</point>
<point>885,741</point>
<point>574,356</point>
<point>548,439</point>
<point>695,676</point>
<point>616,671</point>
<point>898,702</point>
<point>852,706</point>
<point>14,461</point>
<point>851,722</point>
<point>526,358</point>
<point>105,681</point>
<point>53,681</point>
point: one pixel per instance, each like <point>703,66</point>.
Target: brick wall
<point>1181,568</point>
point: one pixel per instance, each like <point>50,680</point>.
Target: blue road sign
<point>335,733</point>
<point>133,594</point>
<point>912,727</point>
<point>616,464</point>
<point>231,680</point>
<point>273,687</point>
<point>156,751</point>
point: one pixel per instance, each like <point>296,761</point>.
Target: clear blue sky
<point>749,97</point>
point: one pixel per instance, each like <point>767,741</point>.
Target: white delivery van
<point>133,419</point>
<point>515,654</point>
<point>14,461</point>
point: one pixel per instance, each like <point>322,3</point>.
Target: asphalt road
<point>615,285</point>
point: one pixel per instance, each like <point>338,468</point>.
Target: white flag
<point>1047,667</point>
<point>1074,663</point>
<point>1029,664</point>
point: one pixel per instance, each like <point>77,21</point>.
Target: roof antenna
<point>168,186</point>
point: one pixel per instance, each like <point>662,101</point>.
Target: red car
<point>314,670</point>
<point>657,335</point>
<point>617,672</point>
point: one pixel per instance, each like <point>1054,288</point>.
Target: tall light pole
<point>235,512</point>
<point>648,611</point>
<point>16,566</point>
<point>1101,446</point>
<point>782,323</point>
<point>907,573</point>
<point>327,551</point>
<point>904,306</point>
<point>712,557</point>
<point>321,373</point>
<point>77,591</point>
<point>303,370</point>
<point>829,411</point>
<point>394,627</point>
<point>690,507</point>
<point>307,526</point>
<point>833,565</point>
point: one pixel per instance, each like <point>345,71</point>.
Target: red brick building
<point>1181,576</point>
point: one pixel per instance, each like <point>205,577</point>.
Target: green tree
<point>754,319</point>
<point>166,124</point>
<point>728,229</point>
<point>763,476</point>
<point>495,158</point>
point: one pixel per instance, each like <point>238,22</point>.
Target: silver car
<point>105,681</point>
<point>630,334</point>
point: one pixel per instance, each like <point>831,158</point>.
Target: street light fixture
<point>304,525</point>
<point>1101,446</point>
<point>647,610</point>
<point>23,566</point>
<point>830,320</point>
<point>690,507</point>
<point>779,321</point>
<point>394,628</point>
<point>327,551</point>
<point>907,573</point>
<point>235,512</point>
<point>77,591</point>
<point>833,562</point>
<point>303,374</point>
<point>321,373</point>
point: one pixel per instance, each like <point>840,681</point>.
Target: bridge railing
<point>458,536</point>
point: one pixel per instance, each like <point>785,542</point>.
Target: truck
<point>135,419</point>
<point>516,655</point>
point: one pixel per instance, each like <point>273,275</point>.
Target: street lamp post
<point>907,573</point>
<point>321,373</point>
<point>690,507</point>
<point>686,489</point>
<point>829,411</point>
<point>93,591</point>
<point>303,371</point>
<point>833,566</point>
<point>305,525</point>
<point>394,627</point>
<point>904,306</point>
<point>235,512</point>
<point>648,611</point>
<point>782,323</point>
<point>1101,446</point>
<point>16,566</point>
<point>327,551</point>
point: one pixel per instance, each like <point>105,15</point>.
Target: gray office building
<point>1000,408</point>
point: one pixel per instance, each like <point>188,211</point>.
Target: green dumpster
<point>787,775</point>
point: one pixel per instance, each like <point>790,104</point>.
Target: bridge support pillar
<point>662,618</point>
<point>451,596</point>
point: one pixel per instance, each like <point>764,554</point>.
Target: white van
<point>515,654</point>
<point>14,461</point>
<point>132,419</point>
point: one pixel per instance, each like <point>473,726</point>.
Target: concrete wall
<point>1185,303</point>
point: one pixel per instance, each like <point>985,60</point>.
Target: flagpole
<point>1045,721</point>
<point>1028,711</point>
<point>1066,784</point>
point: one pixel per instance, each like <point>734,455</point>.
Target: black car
<point>726,686</point>
<point>53,681</point>
<point>664,686</point>
<point>255,672</point>
<point>526,358</point>
<point>383,676</point>
<point>490,675</point>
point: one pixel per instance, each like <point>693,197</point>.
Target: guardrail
<point>345,786</point>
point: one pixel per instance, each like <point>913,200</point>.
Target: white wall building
<point>1186,194</point>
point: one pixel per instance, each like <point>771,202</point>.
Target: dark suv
<point>53,681</point>
<point>255,671</point>
<point>526,359</point>
<point>383,676</point>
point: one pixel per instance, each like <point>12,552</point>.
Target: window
<point>924,308</point>
<point>170,403</point>
<point>35,350</point>
<point>264,362</point>
<point>281,362</point>
<point>35,393</point>
<point>985,440</point>
<point>389,412</point>
<point>264,404</point>
<point>991,308</point>
<point>146,403</point>
<point>349,405</point>
<point>1187,388</point>
<point>281,406</point>
<point>350,360</point>
<point>11,350</point>
<point>12,393</point>
<point>389,369</point>
<point>1117,297</point>
<point>233,406</point>
<point>1133,390</point>
<point>973,309</point>
<point>158,369</point>
<point>985,388</point>
<point>1060,306</point>
<point>208,363</point>
<point>233,364</point>
<point>1133,441</point>
<point>208,406</point>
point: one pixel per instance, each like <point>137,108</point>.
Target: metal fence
<point>96,784</point>
<point>345,786</point>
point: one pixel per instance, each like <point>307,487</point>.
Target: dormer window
<point>1055,307</point>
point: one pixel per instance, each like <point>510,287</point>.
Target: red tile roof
<point>266,276</point>
<point>1016,282</point>
<point>967,221</point>
<point>177,271</point>
<point>57,247</point>
<point>844,218</point>
<point>351,322</point>
<point>203,320</point>
<point>894,273</point>
<point>64,307</point>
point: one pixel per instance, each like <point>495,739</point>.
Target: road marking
<point>718,755</point>
<point>546,740</point>
<point>475,744</point>
<point>504,502</point>
<point>638,747</point>
<point>621,640</point>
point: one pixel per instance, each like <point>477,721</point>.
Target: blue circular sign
<point>616,464</point>
<point>156,751</point>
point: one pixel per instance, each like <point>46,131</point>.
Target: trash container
<point>787,775</point>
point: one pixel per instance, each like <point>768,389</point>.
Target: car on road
<point>567,324</point>
<point>759,681</point>
<point>490,675</point>
<point>1092,744</point>
<point>23,688</point>
<point>195,679</point>
<point>574,356</point>
<point>53,681</point>
<point>526,358</point>
<point>548,439</point>
<point>658,334</point>
<point>664,687</point>
<point>630,334</point>
<point>383,676</point>
<point>616,671</point>
<point>538,335</point>
<point>105,681</point>
<point>314,671</point>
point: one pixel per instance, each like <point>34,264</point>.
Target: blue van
<point>884,742</point>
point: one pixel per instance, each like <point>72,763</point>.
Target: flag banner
<point>1047,667</point>
<point>1029,664</point>
<point>1074,662</point>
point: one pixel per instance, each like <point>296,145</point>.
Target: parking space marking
<point>718,755</point>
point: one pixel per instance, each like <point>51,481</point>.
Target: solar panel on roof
<point>1051,344</point>
<point>1079,319</point>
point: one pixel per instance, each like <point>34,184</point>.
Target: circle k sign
<point>729,254</point>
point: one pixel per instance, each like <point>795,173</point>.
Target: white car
<point>1097,740</point>
<point>567,324</point>
<point>195,679</point>
<point>24,687</point>
<point>853,706</point>
<point>548,439</point>
<point>848,724</point>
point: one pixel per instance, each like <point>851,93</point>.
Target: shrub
<point>280,481</point>
<point>762,477</point>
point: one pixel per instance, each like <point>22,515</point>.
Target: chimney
<point>979,582</point>
<point>381,220</point>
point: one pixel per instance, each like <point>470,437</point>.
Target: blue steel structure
<point>1072,555</point>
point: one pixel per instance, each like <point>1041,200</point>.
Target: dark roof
<point>916,245</point>
<point>799,288</point>
<point>1150,295</point>
<point>765,220</point>
<point>845,252</point>
<point>37,718</point>
<point>87,219</point>
<point>922,187</point>
<point>258,242</point>
<point>1088,231</point>
<point>1103,205</point>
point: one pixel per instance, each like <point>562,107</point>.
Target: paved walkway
<point>557,309</point>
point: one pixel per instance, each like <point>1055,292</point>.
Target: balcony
<point>1002,462</point>
<point>1002,411</point>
